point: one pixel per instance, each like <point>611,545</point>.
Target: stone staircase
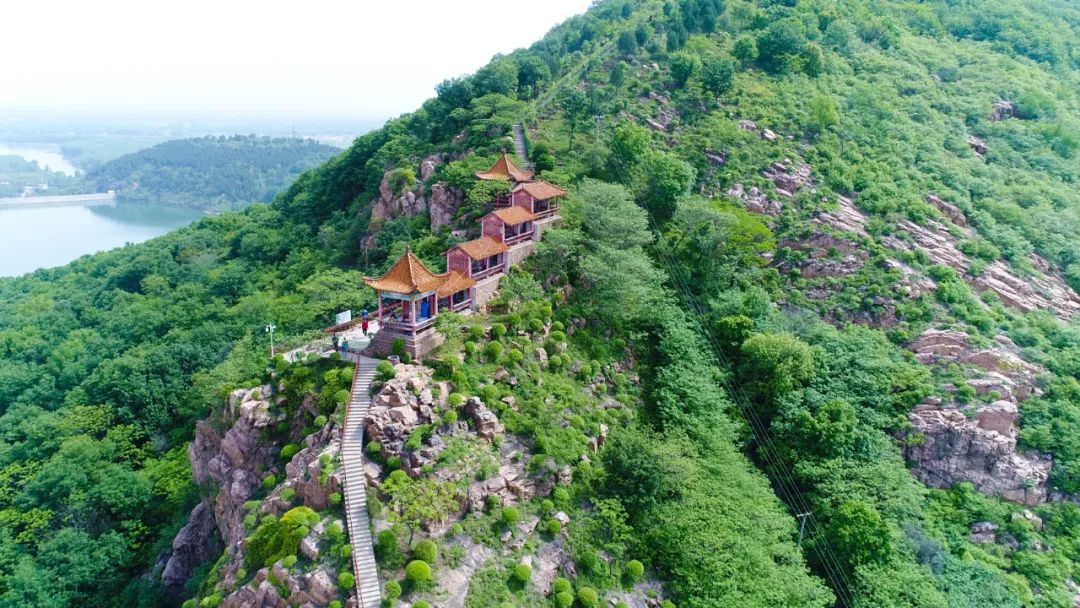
<point>368,590</point>
<point>519,146</point>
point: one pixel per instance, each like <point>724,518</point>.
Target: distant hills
<point>211,173</point>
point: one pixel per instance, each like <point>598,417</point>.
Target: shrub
<point>421,604</point>
<point>456,399</point>
<point>590,562</point>
<point>564,599</point>
<point>346,581</point>
<point>387,551</point>
<point>374,449</point>
<point>426,550</point>
<point>561,585</point>
<point>418,574</point>
<point>475,333</point>
<point>470,349</point>
<point>289,561</point>
<point>393,590</point>
<point>335,603</point>
<point>621,605</point>
<point>588,598</point>
<point>515,356</point>
<point>561,495</point>
<point>494,350</point>
<point>393,463</point>
<point>189,604</point>
<point>450,417</point>
<point>335,499</point>
<point>288,494</point>
<point>320,421</point>
<point>385,370</point>
<point>277,538</point>
<point>522,574</point>
<point>553,527</point>
<point>211,601</point>
<point>546,506</point>
<point>269,482</point>
<point>498,330</point>
<point>397,347</point>
<point>536,325</point>
<point>634,571</point>
<point>455,530</point>
<point>667,604</point>
<point>510,516</point>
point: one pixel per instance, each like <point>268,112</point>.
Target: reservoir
<point>44,157</point>
<point>47,236</point>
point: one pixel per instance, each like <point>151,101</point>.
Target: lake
<point>43,237</point>
<point>45,158</point>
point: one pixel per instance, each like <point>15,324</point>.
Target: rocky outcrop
<point>277,587</point>
<point>439,200</point>
<point>485,421</point>
<point>1002,110</point>
<point>196,543</point>
<point>401,405</point>
<point>789,177</point>
<point>1009,374</point>
<point>755,200</point>
<point>953,447</point>
<point>235,461</point>
<point>978,145</point>
<point>443,204</point>
<point>934,239</point>
<point>847,217</point>
<point>1027,294</point>
<point>949,210</point>
<point>823,255</point>
<point>978,443</point>
<point>1045,291</point>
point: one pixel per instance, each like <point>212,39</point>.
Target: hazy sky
<point>359,58</point>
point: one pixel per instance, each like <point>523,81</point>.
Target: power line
<point>783,479</point>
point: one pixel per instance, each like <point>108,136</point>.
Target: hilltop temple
<point>410,296</point>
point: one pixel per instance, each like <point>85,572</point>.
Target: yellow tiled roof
<point>512,216</point>
<point>455,282</point>
<point>541,190</point>
<point>407,276</point>
<point>483,247</point>
<point>505,169</point>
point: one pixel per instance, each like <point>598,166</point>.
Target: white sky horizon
<point>322,58</point>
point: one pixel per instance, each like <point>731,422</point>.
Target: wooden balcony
<point>510,241</point>
<point>488,272</point>
<point>408,327</point>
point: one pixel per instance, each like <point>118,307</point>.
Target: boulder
<point>485,421</point>
<point>978,145</point>
<point>983,532</point>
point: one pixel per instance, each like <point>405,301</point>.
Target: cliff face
<point>977,442</point>
<point>232,465</point>
<point>235,461</point>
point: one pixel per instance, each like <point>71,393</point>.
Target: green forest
<point>213,173</point>
<point>761,340</point>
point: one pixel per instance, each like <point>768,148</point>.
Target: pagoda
<point>409,299</point>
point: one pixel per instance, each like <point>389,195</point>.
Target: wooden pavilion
<point>409,297</point>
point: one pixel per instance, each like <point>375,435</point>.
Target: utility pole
<point>270,330</point>
<point>802,526</point>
